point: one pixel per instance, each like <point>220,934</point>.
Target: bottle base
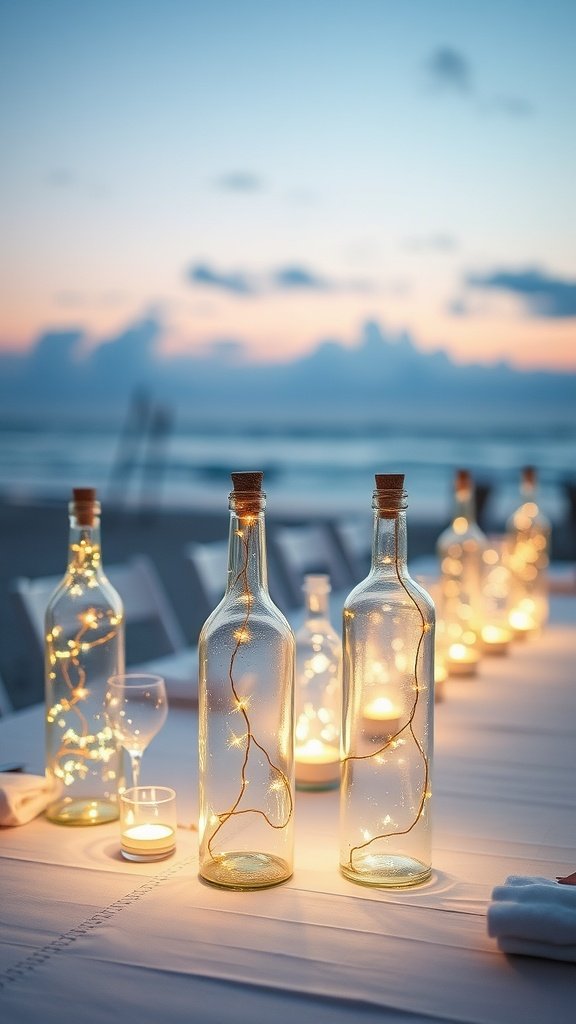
<point>245,870</point>
<point>386,871</point>
<point>82,811</point>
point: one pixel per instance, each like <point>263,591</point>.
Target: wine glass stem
<point>136,760</point>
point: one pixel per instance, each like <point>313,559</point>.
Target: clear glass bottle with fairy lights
<point>84,646</point>
<point>528,534</point>
<point>318,692</point>
<point>460,553</point>
<point>246,710</point>
<point>388,706</point>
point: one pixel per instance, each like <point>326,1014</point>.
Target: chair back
<point>309,549</point>
<point>139,586</point>
<point>209,563</point>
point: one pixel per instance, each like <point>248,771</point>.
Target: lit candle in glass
<point>142,841</point>
<point>380,718</point>
<point>317,765</point>
<point>523,622</point>
<point>496,639</point>
<point>147,822</point>
<point>462,660</point>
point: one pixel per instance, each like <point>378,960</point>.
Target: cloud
<point>450,70</point>
<point>239,181</point>
<point>289,278</point>
<point>544,295</point>
<point>236,282</point>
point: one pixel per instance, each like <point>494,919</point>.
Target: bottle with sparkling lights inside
<point>84,646</point>
<point>318,692</point>
<point>246,698</point>
<point>460,553</point>
<point>388,706</point>
<point>528,532</point>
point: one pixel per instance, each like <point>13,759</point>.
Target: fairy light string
<point>64,656</point>
<point>392,742</point>
<point>281,783</point>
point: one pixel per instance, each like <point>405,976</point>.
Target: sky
<point>276,174</point>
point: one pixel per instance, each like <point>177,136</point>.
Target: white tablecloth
<point>85,934</point>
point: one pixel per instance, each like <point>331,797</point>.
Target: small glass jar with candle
<point>318,692</point>
<point>147,823</point>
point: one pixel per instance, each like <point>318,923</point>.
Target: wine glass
<point>136,709</point>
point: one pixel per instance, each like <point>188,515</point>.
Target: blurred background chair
<point>155,641</point>
<point>5,702</point>
<point>208,562</point>
<point>354,536</point>
<point>310,549</point>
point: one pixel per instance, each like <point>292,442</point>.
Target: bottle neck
<point>247,568</point>
<point>316,605</point>
<point>389,546</point>
<point>464,509</point>
<point>84,553</point>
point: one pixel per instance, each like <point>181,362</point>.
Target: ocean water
<point>309,466</point>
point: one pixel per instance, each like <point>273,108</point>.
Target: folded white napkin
<point>535,917</point>
<point>22,797</point>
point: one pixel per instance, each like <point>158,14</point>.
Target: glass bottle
<point>318,693</point>
<point>84,646</point>
<point>246,710</point>
<point>388,706</point>
<point>460,550</point>
<point>528,532</point>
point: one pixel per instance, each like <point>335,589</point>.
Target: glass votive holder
<point>147,823</point>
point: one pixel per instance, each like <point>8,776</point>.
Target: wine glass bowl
<point>136,709</point>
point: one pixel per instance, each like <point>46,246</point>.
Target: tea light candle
<point>380,718</point>
<point>317,765</point>
<point>462,660</point>
<point>496,639</point>
<point>148,840</point>
<point>147,822</point>
<point>522,623</point>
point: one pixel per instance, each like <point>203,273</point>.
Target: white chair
<point>209,563</point>
<point>146,606</point>
<point>309,549</point>
<point>355,539</point>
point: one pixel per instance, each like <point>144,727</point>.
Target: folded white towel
<point>23,797</point>
<point>535,917</point>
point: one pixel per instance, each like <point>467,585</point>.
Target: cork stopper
<point>529,475</point>
<point>247,497</point>
<point>250,481</point>
<point>389,496</point>
<point>463,483</point>
<point>84,505</point>
<point>389,481</point>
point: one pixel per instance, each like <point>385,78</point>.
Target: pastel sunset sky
<point>277,173</point>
